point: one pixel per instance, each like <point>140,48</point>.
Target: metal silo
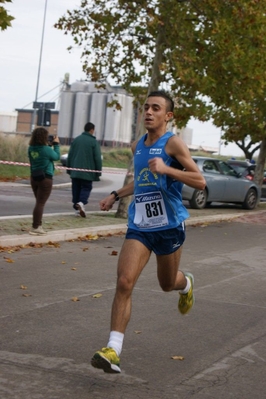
<point>97,113</point>
<point>81,113</point>
<point>79,86</point>
<point>112,121</point>
<point>125,134</point>
<point>65,118</point>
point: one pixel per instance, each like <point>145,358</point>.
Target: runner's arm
<point>107,203</point>
<point>190,175</point>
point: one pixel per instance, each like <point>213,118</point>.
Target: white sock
<point>185,290</point>
<point>116,341</point>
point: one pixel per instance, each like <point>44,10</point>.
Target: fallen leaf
<point>177,357</point>
<point>75,299</point>
<point>114,253</point>
<point>74,268</point>
<point>88,237</point>
<point>85,249</point>
<point>23,287</point>
<point>34,245</point>
<point>26,295</point>
<point>63,262</point>
<point>137,332</point>
<point>53,244</point>
<point>8,260</point>
<point>94,237</point>
<point>97,295</point>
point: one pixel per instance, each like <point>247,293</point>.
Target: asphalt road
<point>47,339</point>
<point>17,198</point>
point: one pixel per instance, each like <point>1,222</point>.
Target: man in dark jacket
<point>84,153</point>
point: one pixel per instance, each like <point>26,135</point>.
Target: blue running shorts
<point>162,242</point>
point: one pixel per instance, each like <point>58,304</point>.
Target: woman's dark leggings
<point>41,190</point>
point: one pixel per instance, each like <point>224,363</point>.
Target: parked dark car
<point>247,170</point>
<point>223,184</point>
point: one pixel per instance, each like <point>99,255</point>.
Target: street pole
<point>39,69</point>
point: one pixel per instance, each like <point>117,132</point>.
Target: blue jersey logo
<point>155,151</point>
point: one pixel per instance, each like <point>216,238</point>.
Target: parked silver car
<point>63,159</point>
<point>223,184</point>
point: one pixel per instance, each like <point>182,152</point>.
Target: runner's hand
<point>157,165</point>
<point>107,203</point>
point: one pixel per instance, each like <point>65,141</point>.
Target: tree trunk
<point>124,202</point>
<point>154,84</point>
<point>259,171</point>
<point>156,77</point>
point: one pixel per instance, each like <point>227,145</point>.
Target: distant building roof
<point>209,150</point>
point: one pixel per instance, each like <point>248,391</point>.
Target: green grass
<point>63,222</point>
<point>12,173</point>
<point>117,158</point>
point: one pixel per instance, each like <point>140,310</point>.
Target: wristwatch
<point>116,195</point>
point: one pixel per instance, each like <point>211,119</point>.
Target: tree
<point>5,18</point>
<point>210,56</point>
<point>230,58</point>
<point>237,130</point>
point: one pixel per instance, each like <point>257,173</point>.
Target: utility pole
<point>39,70</point>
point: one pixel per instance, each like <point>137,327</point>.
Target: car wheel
<point>251,199</point>
<point>199,199</point>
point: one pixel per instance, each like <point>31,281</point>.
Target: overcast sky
<point>20,48</point>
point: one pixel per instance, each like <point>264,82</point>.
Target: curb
<point>72,234</point>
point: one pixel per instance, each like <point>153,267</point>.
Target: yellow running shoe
<point>107,360</point>
<point>186,301</point>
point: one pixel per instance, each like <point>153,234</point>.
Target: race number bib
<point>150,211</point>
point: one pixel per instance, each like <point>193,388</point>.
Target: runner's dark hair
<point>166,96</point>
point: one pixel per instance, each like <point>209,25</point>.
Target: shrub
<point>14,148</point>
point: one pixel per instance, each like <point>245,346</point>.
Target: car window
<point>210,167</point>
<point>227,169</point>
<point>239,168</point>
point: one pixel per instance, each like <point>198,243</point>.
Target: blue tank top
<point>157,203</point>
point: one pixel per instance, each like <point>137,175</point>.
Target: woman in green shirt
<point>42,156</point>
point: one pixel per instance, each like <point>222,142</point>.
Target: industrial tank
<point>187,135</point>
<point>8,121</point>
<point>112,121</point>
<point>97,113</point>
<point>65,118</point>
<point>126,122</point>
<point>79,86</point>
<point>81,113</point>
